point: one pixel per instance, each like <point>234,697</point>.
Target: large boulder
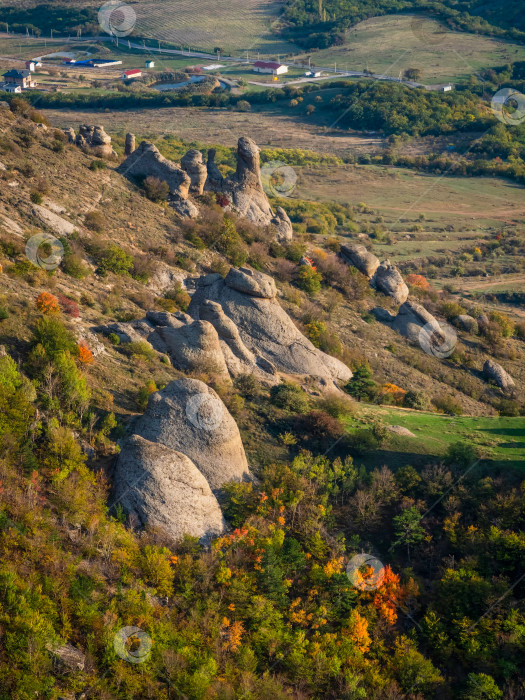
<point>147,161</point>
<point>193,164</point>
<point>189,417</point>
<point>162,488</point>
<point>248,299</point>
<point>411,318</point>
<point>193,346</point>
<point>94,141</point>
<point>468,323</point>
<point>388,279</point>
<point>129,144</point>
<point>361,258</point>
<point>492,370</point>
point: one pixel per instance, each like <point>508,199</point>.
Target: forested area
<point>322,23</point>
<point>269,611</point>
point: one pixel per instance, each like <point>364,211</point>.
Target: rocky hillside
<point>183,382</point>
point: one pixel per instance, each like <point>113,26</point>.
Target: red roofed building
<point>131,74</point>
<point>270,67</point>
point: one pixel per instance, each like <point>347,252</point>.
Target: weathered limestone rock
<point>189,417</point>
<point>95,141</point>
<point>468,323</point>
<point>59,225</point>
<point>194,346</point>
<point>251,282</point>
<point>165,277</point>
<point>361,258</point>
<point>492,370</point>
<point>388,280</point>
<point>400,430</point>
<point>411,318</point>
<point>281,222</point>
<point>70,133</point>
<point>248,299</point>
<point>129,144</point>
<point>193,164</point>
<point>214,179</point>
<point>245,190</point>
<point>147,161</point>
<point>69,656</point>
<point>162,488</point>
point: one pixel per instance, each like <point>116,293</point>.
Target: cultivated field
<point>234,25</point>
<point>391,44</point>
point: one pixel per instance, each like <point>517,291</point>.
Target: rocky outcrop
<point>384,276</point>
<point>147,161</point>
<point>492,370</point>
<point>243,191</point>
<point>70,133</point>
<point>248,299</point>
<point>361,258</point>
<point>193,346</point>
<point>234,326</point>
<point>56,223</point>
<point>129,144</point>
<point>282,225</point>
<point>95,141</point>
<point>162,488</point>
<point>189,417</point>
<point>468,323</point>
<point>193,164</point>
<point>388,279</point>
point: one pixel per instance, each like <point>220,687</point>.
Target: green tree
<point>480,686</point>
<point>361,385</point>
<point>408,529</point>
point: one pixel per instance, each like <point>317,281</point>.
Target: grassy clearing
<point>500,440</point>
<point>389,45</point>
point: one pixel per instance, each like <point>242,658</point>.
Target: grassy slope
<point>394,43</point>
<point>501,440</point>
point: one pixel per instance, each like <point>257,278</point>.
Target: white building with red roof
<point>270,67</point>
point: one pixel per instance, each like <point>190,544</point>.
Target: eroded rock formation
<point>388,280</point>
<point>234,326</point>
<point>361,258</point>
<point>94,140</point>
<point>184,447</point>
<point>384,276</point>
<point>492,370</point>
<point>243,191</point>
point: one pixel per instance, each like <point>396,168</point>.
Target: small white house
<point>150,64</point>
<point>447,88</point>
<point>9,87</point>
<point>270,67</point>
<point>30,66</point>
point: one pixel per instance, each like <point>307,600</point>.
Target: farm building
<point>313,73</point>
<point>270,67</point>
<point>150,64</point>
<point>22,78</point>
<point>131,74</point>
<point>8,87</point>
